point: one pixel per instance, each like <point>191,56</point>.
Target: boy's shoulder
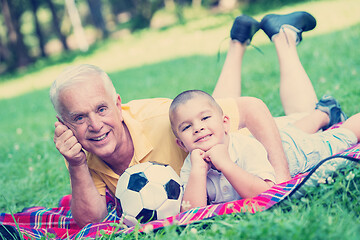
<point>245,144</point>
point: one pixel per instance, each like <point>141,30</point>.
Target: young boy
<point>225,166</point>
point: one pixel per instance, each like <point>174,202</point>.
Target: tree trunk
<point>17,47</point>
<point>196,3</point>
<point>34,7</point>
<point>143,12</point>
<point>228,4</point>
<point>95,7</point>
<point>76,23</point>
<point>5,55</point>
<point>169,4</point>
<point>56,25</point>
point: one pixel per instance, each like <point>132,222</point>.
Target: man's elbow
<point>82,219</point>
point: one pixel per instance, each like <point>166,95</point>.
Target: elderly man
<point>100,137</point>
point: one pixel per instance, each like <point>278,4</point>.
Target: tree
<point>196,3</point>
<point>12,11</point>
<point>5,55</point>
<point>34,7</point>
<point>95,7</point>
<point>56,25</point>
<point>143,12</point>
<point>120,6</point>
<point>76,23</point>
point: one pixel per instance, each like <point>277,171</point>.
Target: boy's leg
<point>353,124</point>
<point>326,113</point>
<point>296,90</point>
<point>229,82</point>
<point>312,122</point>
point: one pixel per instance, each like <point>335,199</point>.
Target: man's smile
<point>102,137</point>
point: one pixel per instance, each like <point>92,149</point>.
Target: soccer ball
<point>149,191</point>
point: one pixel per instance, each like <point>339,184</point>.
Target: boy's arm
<point>246,184</point>
<point>255,115</point>
<point>195,191</point>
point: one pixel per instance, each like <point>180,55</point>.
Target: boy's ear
<point>181,144</point>
<point>226,122</point>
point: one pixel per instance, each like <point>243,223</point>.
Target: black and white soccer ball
<point>149,191</point>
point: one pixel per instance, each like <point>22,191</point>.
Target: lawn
<point>32,172</point>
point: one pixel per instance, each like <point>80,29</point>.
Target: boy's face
<point>199,125</point>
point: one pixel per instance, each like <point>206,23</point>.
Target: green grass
<point>32,172</point>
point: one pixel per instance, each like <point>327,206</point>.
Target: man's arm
<point>87,205</point>
<point>254,114</point>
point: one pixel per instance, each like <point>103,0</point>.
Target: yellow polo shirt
<point>150,130</point>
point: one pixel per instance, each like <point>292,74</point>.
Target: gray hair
<point>76,74</point>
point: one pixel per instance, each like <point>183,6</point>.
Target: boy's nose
<point>199,129</point>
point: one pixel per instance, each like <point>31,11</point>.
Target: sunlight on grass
<point>204,35</point>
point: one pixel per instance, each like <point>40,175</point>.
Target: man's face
<point>93,116</point>
<point>199,125</point>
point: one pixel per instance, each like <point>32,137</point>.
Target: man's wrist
<point>78,164</point>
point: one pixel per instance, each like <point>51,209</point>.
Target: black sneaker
<point>331,106</point>
<point>244,28</point>
<point>297,21</point>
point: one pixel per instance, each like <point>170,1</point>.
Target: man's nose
<point>95,123</point>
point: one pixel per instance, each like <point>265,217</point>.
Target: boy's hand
<point>218,155</point>
<point>68,145</point>
<point>198,161</point>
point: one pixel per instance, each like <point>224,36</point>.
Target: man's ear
<point>181,144</point>
<point>118,101</point>
<point>118,105</point>
<point>226,123</point>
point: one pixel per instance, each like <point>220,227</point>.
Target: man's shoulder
<point>143,109</point>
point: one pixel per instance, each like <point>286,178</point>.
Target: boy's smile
<point>199,125</point>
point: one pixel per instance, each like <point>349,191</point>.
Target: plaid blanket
<point>57,223</point>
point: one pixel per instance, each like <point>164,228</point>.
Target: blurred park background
<point>49,33</point>
<point>38,29</point>
<point>158,48</point>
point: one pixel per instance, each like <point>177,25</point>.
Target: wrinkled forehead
<point>83,93</point>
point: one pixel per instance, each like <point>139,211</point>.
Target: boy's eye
<point>185,128</point>
<point>206,117</point>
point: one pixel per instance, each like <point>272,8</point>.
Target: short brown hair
<point>185,96</point>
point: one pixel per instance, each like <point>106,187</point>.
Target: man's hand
<point>68,145</point>
<point>87,205</point>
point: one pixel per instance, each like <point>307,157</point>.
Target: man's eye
<point>102,109</point>
<point>79,119</point>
